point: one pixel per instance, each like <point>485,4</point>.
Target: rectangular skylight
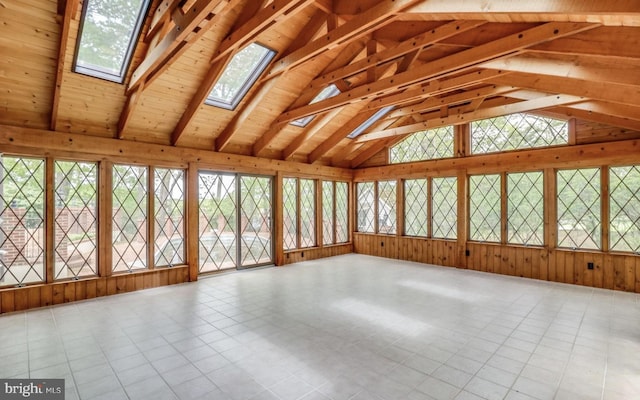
<point>240,74</point>
<point>324,94</point>
<point>370,121</point>
<point>108,34</point>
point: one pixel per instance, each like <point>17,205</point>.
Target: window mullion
<point>49,215</point>
<point>151,217</point>
<point>604,208</point>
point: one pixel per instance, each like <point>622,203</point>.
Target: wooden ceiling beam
<point>454,99</point>
<point>338,136</point>
<point>366,153</point>
<point>612,12</point>
<point>613,71</point>
<point>357,27</point>
<point>197,101</point>
<point>457,62</point>
<point>604,91</point>
<point>178,39</point>
<point>277,11</point>
<point>598,118</point>
<point>434,87</point>
<point>308,132</point>
<point>417,43</point>
<point>484,113</point>
<point>70,8</point>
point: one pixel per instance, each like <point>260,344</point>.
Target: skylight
<point>324,94</point>
<point>370,121</point>
<point>240,74</point>
<point>108,35</point>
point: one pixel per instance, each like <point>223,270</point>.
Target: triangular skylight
<point>324,94</point>
<point>108,36</point>
<point>240,74</point>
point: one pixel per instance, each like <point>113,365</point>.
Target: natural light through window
<point>370,121</point>
<point>324,94</point>
<point>240,74</point>
<point>108,35</point>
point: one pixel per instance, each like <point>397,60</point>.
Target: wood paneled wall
<point>314,253</point>
<point>429,251</point>
<point>18,299</point>
<point>611,270</point>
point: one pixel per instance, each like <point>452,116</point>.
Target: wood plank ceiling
<point>436,62</point>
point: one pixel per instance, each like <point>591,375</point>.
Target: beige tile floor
<point>349,327</point>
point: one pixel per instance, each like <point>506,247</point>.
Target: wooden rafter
<point>457,62</point>
<point>614,12</point>
<point>178,38</point>
<point>359,26</point>
<point>401,49</point>
<point>523,106</point>
<point>604,91</point>
<point>70,9</point>
<point>256,99</point>
<point>300,140</point>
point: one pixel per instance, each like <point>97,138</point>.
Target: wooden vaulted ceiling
<point>438,62</point>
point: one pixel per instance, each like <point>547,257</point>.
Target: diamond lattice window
<point>387,207</point>
<point>624,232</point>
<point>290,212</point>
<point>517,131</point>
<point>169,217</point>
<point>484,213</point>
<point>415,207</point>
<point>328,213</point>
<point>217,247</point>
<point>366,207</point>
<point>76,219</point>
<point>424,145</point>
<point>342,212</point>
<point>579,223</point>
<point>22,221</point>
<point>525,208</point>
<point>307,213</point>
<point>444,207</point>
<point>129,218</point>
<point>255,208</point>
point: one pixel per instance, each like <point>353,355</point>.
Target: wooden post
<point>400,207</point>
<point>279,225</point>
<point>151,237</point>
<point>319,214</point>
<point>105,218</point>
<point>429,206</point>
<point>604,207</point>
<point>503,208</point>
<point>463,217</point>
<point>191,244</point>
<point>550,223</point>
<point>298,216</point>
<point>351,212</point>
<point>49,220</point>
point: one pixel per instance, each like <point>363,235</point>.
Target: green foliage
<point>365,208</point>
<point>107,33</point>
<point>415,207</point>
<point>484,208</point>
<point>22,186</point>
<point>624,208</point>
<point>444,219</point>
<point>424,145</point>
<point>525,208</point>
<point>516,131</point>
<point>342,212</point>
<point>579,223</point>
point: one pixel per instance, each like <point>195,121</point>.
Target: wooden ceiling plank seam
<point>311,29</point>
<point>401,49</point>
<point>173,43</point>
<point>598,118</point>
<point>129,106</point>
<point>69,12</point>
<point>277,11</point>
<point>457,62</point>
<point>371,151</point>
<point>484,113</point>
<point>197,101</point>
<point>266,138</point>
<point>359,26</point>
<point>609,92</point>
